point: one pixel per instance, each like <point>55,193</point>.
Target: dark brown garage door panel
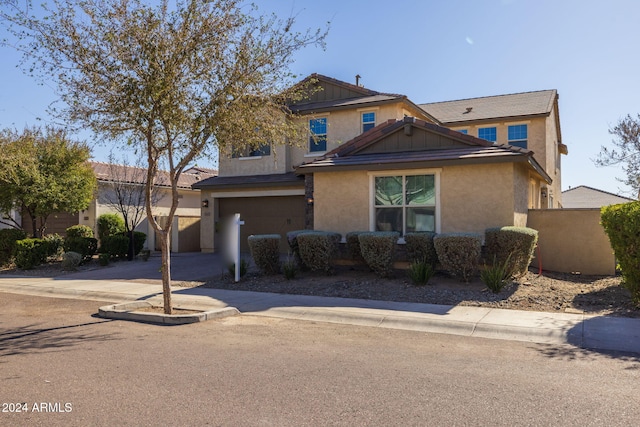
<point>265,215</point>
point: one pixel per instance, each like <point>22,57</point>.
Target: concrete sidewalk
<point>593,332</point>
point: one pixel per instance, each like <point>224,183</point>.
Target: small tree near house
<point>177,79</point>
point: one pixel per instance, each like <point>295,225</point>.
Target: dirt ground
<point>550,292</point>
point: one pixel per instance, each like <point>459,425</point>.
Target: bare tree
<point>626,151</point>
<point>183,77</point>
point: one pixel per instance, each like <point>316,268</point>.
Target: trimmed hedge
<point>79,231</point>
<point>515,244</point>
<point>110,224</point>
<point>55,245</point>
<point>265,251</point>
<point>459,253</point>
<point>117,246</point>
<point>292,240</point>
<point>71,260</point>
<point>8,239</point>
<point>420,247</point>
<point>318,249</point>
<point>85,246</point>
<point>378,249</point>
<point>30,253</point>
<point>622,225</point>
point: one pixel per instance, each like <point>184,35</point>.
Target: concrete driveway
<point>185,267</point>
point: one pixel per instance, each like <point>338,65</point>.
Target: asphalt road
<point>74,369</point>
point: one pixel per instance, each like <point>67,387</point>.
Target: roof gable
<point>539,103</point>
<point>583,196</point>
<point>107,172</point>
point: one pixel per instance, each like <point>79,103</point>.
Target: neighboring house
<point>186,228</point>
<point>529,120</point>
<point>588,197</point>
<point>377,161</point>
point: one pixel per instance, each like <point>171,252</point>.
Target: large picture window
<point>405,203</point>
<point>517,135</point>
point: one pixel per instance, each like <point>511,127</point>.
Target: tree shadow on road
<point>34,338</point>
<point>572,353</point>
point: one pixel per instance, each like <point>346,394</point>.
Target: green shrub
<point>79,231</point>
<point>292,240</point>
<point>71,260</point>
<point>496,276</point>
<point>110,224</point>
<point>30,253</point>
<point>138,240</point>
<point>318,249</point>
<point>117,246</point>
<point>8,239</point>
<point>516,244</point>
<point>459,253</point>
<point>353,245</point>
<point>85,246</point>
<point>103,259</point>
<point>622,225</point>
<point>420,272</point>
<point>54,246</point>
<point>378,249</point>
<point>420,247</point>
<point>265,251</point>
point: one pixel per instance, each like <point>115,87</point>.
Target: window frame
<point>518,141</point>
<point>490,128</point>
<point>404,173</point>
<point>370,123</point>
<point>316,140</point>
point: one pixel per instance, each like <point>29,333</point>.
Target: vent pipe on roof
<point>358,77</point>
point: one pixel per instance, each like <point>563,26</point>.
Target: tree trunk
<point>165,235</point>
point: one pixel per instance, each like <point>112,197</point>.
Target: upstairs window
<point>368,121</point>
<point>263,150</point>
<point>489,134</point>
<point>517,136</point>
<point>465,131</point>
<point>318,138</point>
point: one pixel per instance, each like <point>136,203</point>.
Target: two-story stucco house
<point>377,161</point>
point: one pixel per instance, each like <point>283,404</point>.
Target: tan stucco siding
<point>474,198</point>
<point>554,160</point>
<point>521,182</point>
<point>341,201</point>
<point>276,162</point>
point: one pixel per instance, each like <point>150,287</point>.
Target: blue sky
<point>454,49</point>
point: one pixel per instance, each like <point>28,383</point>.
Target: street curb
<point>130,311</point>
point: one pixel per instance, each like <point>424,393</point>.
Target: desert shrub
<point>496,276</point>
<point>622,225</point>
<point>109,224</point>
<point>265,251</point>
<point>420,247</point>
<point>85,246</point>
<point>459,253</point>
<point>8,239</point>
<point>516,244</point>
<point>30,253</point>
<point>79,231</point>
<point>420,272</point>
<point>103,259</point>
<point>71,260</point>
<point>378,249</point>
<point>117,246</point>
<point>318,249</point>
<point>138,240</point>
<point>290,268</point>
<point>244,267</point>
<point>292,240</point>
<point>353,245</point>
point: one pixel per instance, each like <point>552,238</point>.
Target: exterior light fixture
<point>205,203</point>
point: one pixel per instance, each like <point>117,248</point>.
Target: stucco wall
<point>477,197</point>
<point>572,240</point>
<point>341,201</point>
<point>276,162</point>
<point>472,198</point>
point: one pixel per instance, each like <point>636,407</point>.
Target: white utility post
<point>236,243</point>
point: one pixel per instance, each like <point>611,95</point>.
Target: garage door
<point>265,215</point>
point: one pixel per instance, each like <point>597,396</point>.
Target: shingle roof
<point>493,107</point>
<point>135,175</point>
<point>583,196</point>
<point>252,181</point>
